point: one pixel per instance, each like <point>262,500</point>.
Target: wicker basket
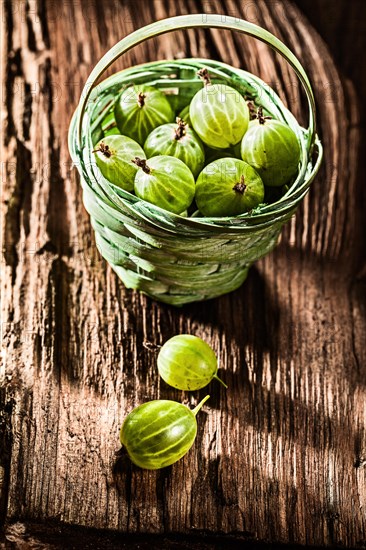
<point>172,258</point>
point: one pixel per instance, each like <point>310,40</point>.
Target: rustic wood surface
<point>280,456</point>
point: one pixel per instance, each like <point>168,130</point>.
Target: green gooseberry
<point>179,141</point>
<point>272,148</point>
<point>187,363</point>
<point>219,114</point>
<point>109,125</point>
<point>112,131</point>
<point>179,100</point>
<point>228,187</point>
<point>215,154</point>
<point>273,194</point>
<point>140,109</point>
<point>184,114</point>
<point>114,156</point>
<point>158,433</point>
<point>166,182</point>
<point>236,150</point>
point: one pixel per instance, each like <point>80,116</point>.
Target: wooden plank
<point>51,535</point>
<point>280,456</point>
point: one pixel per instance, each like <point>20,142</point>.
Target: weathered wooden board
<point>281,455</point>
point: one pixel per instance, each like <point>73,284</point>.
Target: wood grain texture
<point>281,455</point>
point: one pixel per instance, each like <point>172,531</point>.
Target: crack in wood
<point>18,206</point>
<point>6,409</point>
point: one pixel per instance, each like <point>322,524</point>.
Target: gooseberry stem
<point>104,149</point>
<point>200,405</point>
<point>141,99</point>
<point>141,163</point>
<point>221,381</point>
<point>181,129</point>
<point>262,119</point>
<point>204,75</point>
<point>252,110</point>
<point>240,187</point>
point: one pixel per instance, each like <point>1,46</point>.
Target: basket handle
<point>188,22</point>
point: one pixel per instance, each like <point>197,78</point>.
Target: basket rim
<point>163,219</point>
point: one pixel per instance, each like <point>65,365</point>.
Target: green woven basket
<point>172,258</point>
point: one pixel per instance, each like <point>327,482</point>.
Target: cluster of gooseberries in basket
<point>215,158</point>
